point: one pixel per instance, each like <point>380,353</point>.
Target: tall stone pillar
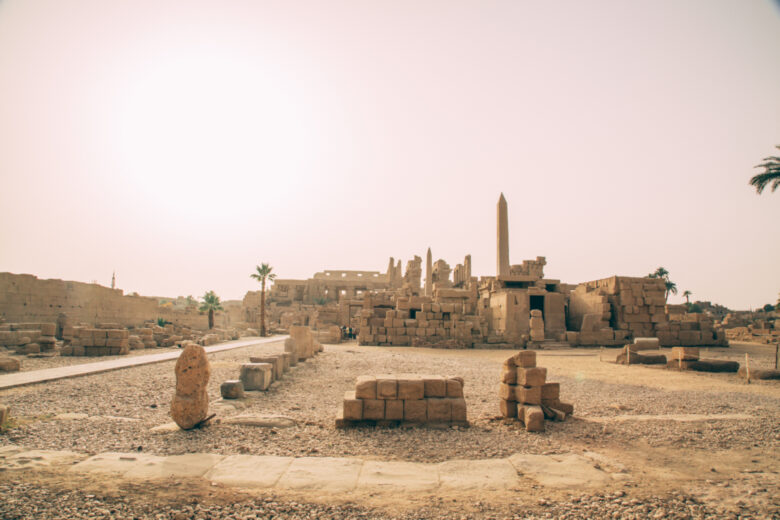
<point>429,274</point>
<point>502,239</point>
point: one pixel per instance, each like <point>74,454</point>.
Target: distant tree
<point>770,175</point>
<point>687,296</point>
<point>768,307</point>
<point>694,308</point>
<point>262,275</point>
<point>663,274</point>
<point>191,300</point>
<point>211,303</point>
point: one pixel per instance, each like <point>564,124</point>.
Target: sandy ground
<point>695,445</point>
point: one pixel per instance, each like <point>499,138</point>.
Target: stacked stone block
<point>407,398</point>
<point>19,335</point>
<point>526,395</point>
<point>98,342</point>
<point>433,324</point>
<point>695,329</point>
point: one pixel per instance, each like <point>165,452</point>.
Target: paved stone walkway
<point>51,374</point>
<point>334,474</point>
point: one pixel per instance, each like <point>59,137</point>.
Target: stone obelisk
<point>429,274</point>
<point>502,258</point>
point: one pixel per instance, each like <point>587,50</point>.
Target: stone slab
<point>560,471</point>
<point>322,473</point>
<point>116,463</point>
<point>261,421</point>
<point>190,465</point>
<point>478,474</point>
<point>24,459</point>
<point>396,475</point>
<point>249,471</point>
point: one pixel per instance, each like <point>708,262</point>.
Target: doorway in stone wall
<point>537,302</point>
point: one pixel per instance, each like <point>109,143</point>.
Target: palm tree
<point>211,303</point>
<point>661,272</point>
<point>687,296</point>
<point>770,175</point>
<point>262,275</point>
<point>671,287</point>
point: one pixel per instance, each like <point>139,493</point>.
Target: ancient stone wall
<point>25,298</point>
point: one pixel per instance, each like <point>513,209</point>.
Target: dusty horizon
<point>181,145</point>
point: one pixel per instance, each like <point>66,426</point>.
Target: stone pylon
<point>502,258</point>
<point>429,274</point>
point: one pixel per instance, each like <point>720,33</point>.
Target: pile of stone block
<point>98,342</point>
<point>527,396</point>
<point>688,330</point>
<point>407,398</point>
<point>433,324</point>
<point>301,343</point>
<point>29,338</point>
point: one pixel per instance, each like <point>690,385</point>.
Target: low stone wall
<point>98,342</point>
<point>405,398</point>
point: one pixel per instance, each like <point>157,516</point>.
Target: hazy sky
<point>181,143</point>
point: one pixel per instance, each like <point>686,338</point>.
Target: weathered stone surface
<point>8,364</point>
<point>256,376</point>
<point>190,405</point>
<point>233,389</point>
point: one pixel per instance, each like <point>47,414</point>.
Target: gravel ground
<point>123,405</point>
<point>24,500</point>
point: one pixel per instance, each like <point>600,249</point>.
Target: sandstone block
<point>415,410</point>
<point>353,407</point>
<point>508,408</point>
<point>394,409</point>
<point>531,376</point>
<point>373,409</point>
<point>286,361</point>
<point>435,386</point>
<point>509,374</point>
<point>551,391</point>
<point>8,364</point>
<point>411,387</point>
<point>256,376</point>
<point>232,389</point>
<point>276,361</point>
<point>386,387</point>
<point>365,387</point>
<point>525,359</point>
<point>439,410</point>
<point>684,353</point>
<point>533,418</point>
<point>458,410</point>
<point>191,403</point>
<point>454,387</point>
<point>48,329</point>
<point>507,392</point>
<point>528,394</point>
<point>5,413</point>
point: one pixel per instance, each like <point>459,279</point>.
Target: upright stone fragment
<point>190,405</point>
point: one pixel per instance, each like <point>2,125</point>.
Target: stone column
<point>502,239</point>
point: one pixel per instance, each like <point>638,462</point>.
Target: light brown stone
<point>394,410</point>
<point>531,376</point>
<point>191,403</point>
<point>386,387</point>
<point>353,407</point>
<point>411,387</point>
<point>528,394</point>
<point>365,387</point>
<point>435,386</point>
<point>439,410</point>
<point>415,410</point>
<point>373,409</point>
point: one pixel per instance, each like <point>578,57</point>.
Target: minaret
<point>503,239</point>
<point>429,274</point>
<point>113,280</point>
